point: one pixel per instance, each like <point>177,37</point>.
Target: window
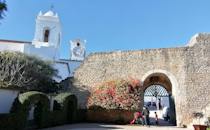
<point>46,35</point>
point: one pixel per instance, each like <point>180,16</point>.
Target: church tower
<point>48,30</point>
<point>77,49</point>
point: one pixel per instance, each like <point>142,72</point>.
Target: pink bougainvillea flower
<point>116,94</point>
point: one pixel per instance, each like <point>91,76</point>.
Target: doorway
<point>158,98</point>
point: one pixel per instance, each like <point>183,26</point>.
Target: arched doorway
<point>158,98</point>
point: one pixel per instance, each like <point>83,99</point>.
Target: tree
<point>3,8</point>
<point>26,72</point>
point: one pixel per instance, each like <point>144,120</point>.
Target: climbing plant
<point>116,94</point>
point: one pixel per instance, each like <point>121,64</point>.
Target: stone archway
<point>166,80</point>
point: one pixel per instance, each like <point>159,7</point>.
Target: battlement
<point>199,38</point>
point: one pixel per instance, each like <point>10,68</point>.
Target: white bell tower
<point>48,30</point>
<point>77,49</point>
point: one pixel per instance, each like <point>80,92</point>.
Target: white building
<point>46,45</point>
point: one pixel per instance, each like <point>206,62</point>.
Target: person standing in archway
<point>156,119</point>
<point>159,104</point>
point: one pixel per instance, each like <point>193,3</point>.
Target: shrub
<point>116,94</point>
<point>7,121</point>
<point>21,107</point>
<point>66,102</point>
<point>65,111</point>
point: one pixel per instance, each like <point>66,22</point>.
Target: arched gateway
<point>160,83</point>
<point>184,72</point>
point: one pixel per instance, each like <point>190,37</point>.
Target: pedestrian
<point>159,104</point>
<point>145,114</point>
<point>138,119</point>
<point>156,119</point>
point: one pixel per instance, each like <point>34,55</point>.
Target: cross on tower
<point>52,7</point>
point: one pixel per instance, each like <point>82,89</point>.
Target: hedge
<point>22,105</point>
<point>64,111</point>
<point>7,121</point>
<point>67,103</point>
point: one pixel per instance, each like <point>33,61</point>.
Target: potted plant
<point>198,116</point>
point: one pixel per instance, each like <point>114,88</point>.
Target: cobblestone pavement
<point>94,126</point>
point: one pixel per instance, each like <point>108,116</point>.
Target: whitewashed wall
<point>65,68</point>
<point>9,46</point>
<point>73,66</point>
<point>164,100</point>
<point>6,99</point>
<point>63,71</point>
<point>45,53</point>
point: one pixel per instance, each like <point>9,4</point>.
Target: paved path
<point>94,126</point>
<point>164,125</point>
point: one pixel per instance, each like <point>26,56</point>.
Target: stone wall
<point>186,67</point>
<point>197,67</point>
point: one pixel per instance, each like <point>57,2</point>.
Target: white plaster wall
<point>73,65</point>
<point>45,53</point>
<point>51,98</point>
<point>8,46</point>
<point>63,71</point>
<point>66,68</point>
<point>6,99</point>
<point>53,24</point>
<point>164,100</point>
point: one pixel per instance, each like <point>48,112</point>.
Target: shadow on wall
<point>82,94</point>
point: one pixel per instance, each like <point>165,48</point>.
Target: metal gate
<point>156,91</point>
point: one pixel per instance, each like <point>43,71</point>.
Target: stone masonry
<point>187,68</point>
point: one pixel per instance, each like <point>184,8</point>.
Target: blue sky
<point>109,25</point>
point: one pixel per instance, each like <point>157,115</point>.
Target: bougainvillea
<point>116,94</point>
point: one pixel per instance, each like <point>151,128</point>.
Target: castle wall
<point>197,67</point>
<point>187,68</point>
<point>108,66</point>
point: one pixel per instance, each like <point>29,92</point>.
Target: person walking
<point>138,119</point>
<point>156,119</point>
<point>145,114</point>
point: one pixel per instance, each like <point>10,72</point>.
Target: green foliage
<point>116,94</point>
<point>18,70</point>
<point>65,111</point>
<point>67,102</point>
<point>23,104</point>
<point>7,121</point>
<point>3,8</point>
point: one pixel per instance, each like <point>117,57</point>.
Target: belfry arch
<point>159,83</point>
